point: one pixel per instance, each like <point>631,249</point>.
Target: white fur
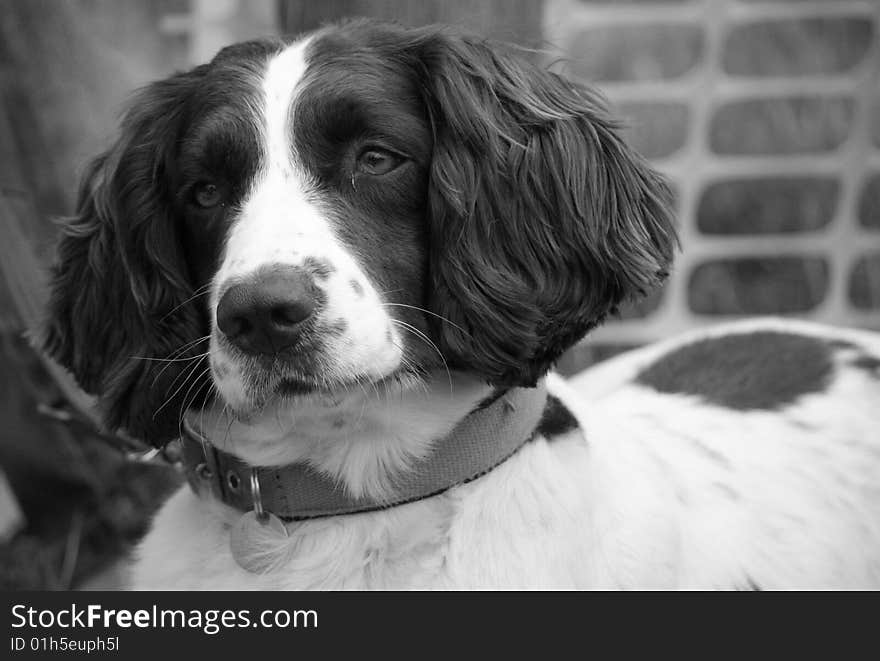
<point>653,491</point>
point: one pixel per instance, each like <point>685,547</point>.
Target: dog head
<point>369,203</point>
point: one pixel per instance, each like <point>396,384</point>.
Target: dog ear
<point>117,317</point>
<point>542,220</point>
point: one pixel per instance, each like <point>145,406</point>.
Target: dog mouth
<point>294,388</point>
<point>323,391</point>
<point>291,388</point>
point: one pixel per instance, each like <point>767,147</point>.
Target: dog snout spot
<point>266,313</point>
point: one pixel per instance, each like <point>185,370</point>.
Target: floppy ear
<point>117,310</point>
<point>542,219</point>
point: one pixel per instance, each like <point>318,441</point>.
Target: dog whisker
<point>419,334</point>
<point>171,397</point>
<point>201,291</point>
<point>171,360</point>
<point>175,353</point>
<point>186,401</point>
<point>428,312</point>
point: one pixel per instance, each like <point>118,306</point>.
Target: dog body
<point>652,490</point>
<point>331,252</point>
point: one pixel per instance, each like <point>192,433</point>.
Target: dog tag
<point>257,541</point>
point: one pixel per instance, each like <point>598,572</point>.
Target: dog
<point>341,269</point>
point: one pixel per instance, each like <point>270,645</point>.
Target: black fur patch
<point>744,371</point>
<point>556,419</point>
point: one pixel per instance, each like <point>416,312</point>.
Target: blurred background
<point>765,114</point>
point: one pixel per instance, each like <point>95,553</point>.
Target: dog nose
<point>266,314</point>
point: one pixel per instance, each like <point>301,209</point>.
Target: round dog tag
<point>257,541</point>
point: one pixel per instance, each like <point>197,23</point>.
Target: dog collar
<point>487,436</point>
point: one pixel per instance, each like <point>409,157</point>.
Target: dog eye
<point>377,161</point>
<point>207,195</point>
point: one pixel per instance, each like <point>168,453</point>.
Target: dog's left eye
<point>207,195</point>
<point>376,161</point>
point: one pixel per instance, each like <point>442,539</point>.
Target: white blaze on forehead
<point>283,75</point>
<point>276,212</point>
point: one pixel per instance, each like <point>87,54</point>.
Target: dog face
<point>368,204</point>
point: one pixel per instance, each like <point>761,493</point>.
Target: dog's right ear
<point>116,312</point>
<point>542,219</point>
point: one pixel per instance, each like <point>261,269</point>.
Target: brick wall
<point>765,114</point>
